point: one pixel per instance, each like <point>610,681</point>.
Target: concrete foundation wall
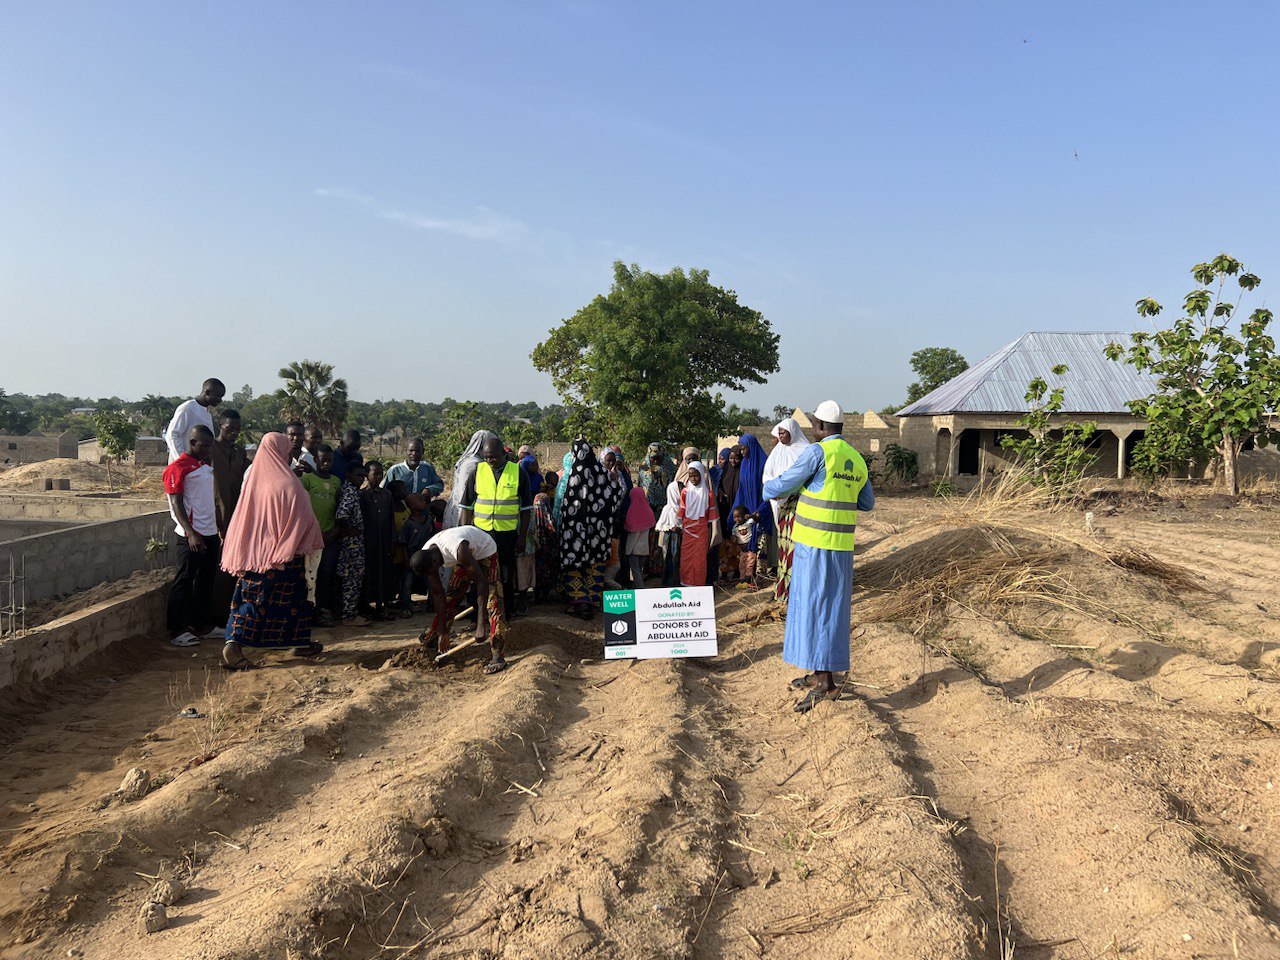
<point>44,651</point>
<point>85,556</point>
<point>13,529</point>
<point>85,509</point>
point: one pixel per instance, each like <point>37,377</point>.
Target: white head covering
<point>463,471</point>
<point>670,517</point>
<point>696,498</point>
<point>781,457</point>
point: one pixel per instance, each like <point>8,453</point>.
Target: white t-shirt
<point>188,415</point>
<point>482,545</point>
<point>197,498</point>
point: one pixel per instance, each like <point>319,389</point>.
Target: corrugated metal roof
<point>998,383</point>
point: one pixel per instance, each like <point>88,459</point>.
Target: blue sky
<point>418,192</point>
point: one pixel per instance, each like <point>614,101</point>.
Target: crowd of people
<point>306,535</point>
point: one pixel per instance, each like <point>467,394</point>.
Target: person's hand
<point>195,542</point>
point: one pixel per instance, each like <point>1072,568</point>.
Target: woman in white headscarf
<point>791,442</point>
<point>699,526</point>
<point>463,471</point>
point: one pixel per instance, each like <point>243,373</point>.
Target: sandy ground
<point>86,477</point>
<point>1095,778</point>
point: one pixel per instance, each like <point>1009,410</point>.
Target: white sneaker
<point>187,639</point>
<point>217,633</point>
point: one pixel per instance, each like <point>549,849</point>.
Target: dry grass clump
<point>1011,548</point>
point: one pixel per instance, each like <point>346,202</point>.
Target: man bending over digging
<point>472,555</point>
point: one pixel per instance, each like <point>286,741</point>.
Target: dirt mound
<point>82,474</point>
<point>1016,573</point>
<point>46,611</point>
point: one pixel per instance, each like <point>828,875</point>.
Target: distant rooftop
<point>998,384</point>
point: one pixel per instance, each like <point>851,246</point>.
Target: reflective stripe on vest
<point>827,518</point>
<point>497,504</point>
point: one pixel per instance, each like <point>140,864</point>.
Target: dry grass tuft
<point>1009,549</point>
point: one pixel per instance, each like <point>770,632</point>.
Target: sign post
<point>664,622</point>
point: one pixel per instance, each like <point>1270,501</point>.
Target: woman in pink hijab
<point>272,530</point>
<point>639,521</point>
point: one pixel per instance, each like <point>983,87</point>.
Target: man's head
<point>314,438</point>
<point>739,514</point>
<point>229,426</point>
<point>295,431</point>
<point>524,451</point>
<point>211,393</point>
<point>375,473</point>
<point>356,475</point>
<point>828,419</point>
<point>200,442</point>
<point>413,453</point>
<point>426,562</point>
<point>495,454</point>
<point>324,459</point>
<point>350,442</point>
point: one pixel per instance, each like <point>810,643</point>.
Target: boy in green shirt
<point>323,488</point>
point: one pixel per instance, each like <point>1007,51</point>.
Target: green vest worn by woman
<point>827,518</point>
<point>497,504</point>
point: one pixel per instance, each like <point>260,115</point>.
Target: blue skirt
<point>818,612</point>
<point>271,609</point>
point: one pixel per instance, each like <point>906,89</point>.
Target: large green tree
<point>934,366</point>
<point>648,359</point>
<point>312,394</point>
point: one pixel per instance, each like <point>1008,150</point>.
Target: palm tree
<point>156,411</point>
<point>312,395</point>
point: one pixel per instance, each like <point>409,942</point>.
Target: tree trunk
<point>1230,478</point>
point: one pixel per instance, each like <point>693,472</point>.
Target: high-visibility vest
<point>827,518</point>
<point>497,504</point>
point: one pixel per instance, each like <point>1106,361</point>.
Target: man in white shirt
<point>191,413</point>
<point>188,482</point>
<point>472,554</point>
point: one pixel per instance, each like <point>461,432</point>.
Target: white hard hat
<point>829,412</point>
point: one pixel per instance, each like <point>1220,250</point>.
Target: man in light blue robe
<point>818,613</point>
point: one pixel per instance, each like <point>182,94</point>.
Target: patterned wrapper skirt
<point>460,581</point>
<point>271,609</point>
<point>786,549</point>
<point>585,584</point>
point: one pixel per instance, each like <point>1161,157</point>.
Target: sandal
<point>496,665</point>
<point>802,683</point>
<point>244,663</point>
<point>815,697</point>
<point>310,650</point>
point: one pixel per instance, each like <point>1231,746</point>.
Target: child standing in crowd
<point>350,567</point>
<point>417,528</point>
<point>376,505</point>
<point>323,488</point>
<point>636,526</point>
<point>744,531</point>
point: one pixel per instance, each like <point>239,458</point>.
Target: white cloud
<point>481,224</point>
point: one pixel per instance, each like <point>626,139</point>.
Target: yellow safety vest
<point>497,504</point>
<point>827,518</point>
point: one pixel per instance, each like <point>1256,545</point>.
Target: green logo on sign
<point>619,601</point>
<point>675,595</point>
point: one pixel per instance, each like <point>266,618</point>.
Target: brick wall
<point>82,509</point>
<point>85,556</point>
<point>44,651</point>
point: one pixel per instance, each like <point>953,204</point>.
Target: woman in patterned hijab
<point>588,508</point>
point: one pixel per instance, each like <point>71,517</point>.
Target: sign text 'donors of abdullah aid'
<point>666,622</point>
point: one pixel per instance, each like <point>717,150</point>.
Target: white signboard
<point>663,622</point>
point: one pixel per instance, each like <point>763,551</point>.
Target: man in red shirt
<point>188,481</point>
